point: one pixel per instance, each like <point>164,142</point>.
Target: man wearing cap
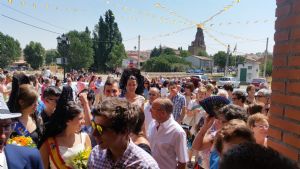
<point>12,156</point>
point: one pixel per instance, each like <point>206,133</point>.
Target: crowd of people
<point>134,122</point>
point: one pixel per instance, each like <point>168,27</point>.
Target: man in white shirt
<point>167,138</point>
<point>153,94</point>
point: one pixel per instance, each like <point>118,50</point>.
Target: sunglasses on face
<point>98,128</point>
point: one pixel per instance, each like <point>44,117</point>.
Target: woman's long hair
<point>18,80</point>
<point>57,123</point>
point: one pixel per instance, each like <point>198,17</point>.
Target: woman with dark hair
<point>138,136</point>
<point>64,140</point>
<point>130,94</point>
<point>58,83</point>
<point>28,124</point>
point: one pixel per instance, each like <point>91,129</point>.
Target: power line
<point>32,17</point>
<point>30,24</point>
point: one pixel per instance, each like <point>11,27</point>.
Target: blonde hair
<point>258,117</point>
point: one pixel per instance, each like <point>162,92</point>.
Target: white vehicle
<point>228,80</point>
<point>201,77</point>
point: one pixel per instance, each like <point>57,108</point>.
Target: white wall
<point>252,71</point>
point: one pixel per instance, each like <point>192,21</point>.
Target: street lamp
<point>63,43</point>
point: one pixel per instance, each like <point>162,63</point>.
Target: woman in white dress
<point>131,96</point>
<point>62,144</point>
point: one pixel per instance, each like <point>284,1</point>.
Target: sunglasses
<point>98,128</point>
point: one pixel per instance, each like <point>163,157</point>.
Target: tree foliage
<point>166,63</point>
<point>80,54</point>
<point>184,53</point>
<point>105,36</point>
<point>50,56</point>
<point>156,52</point>
<point>202,53</point>
<point>34,54</point>
<point>10,50</point>
<point>116,57</point>
<point>168,51</point>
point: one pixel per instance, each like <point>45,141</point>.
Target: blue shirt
<point>214,159</point>
<point>178,103</point>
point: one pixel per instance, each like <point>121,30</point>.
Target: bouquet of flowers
<point>80,160</point>
<point>22,141</point>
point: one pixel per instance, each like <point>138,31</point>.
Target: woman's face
<point>252,91</point>
<point>131,85</point>
<point>31,108</point>
<point>260,129</point>
<point>76,123</point>
<point>187,91</point>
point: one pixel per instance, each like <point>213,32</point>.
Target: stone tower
<point>198,44</point>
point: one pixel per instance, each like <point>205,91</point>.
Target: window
<point>249,67</point>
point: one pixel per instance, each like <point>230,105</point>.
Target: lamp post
<point>63,44</point>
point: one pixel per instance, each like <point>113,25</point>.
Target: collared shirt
<point>179,103</point>
<point>133,158</point>
<point>148,116</point>
<point>3,163</point>
<point>168,144</point>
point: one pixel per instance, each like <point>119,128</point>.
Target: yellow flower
<point>22,141</point>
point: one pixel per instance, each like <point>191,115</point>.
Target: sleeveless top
<point>68,153</point>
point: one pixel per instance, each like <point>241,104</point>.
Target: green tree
<point>184,53</point>
<point>116,57</point>
<point>155,52</point>
<point>10,50</point>
<point>34,54</point>
<point>166,63</point>
<point>202,53</point>
<point>106,35</point>
<point>80,51</point>
<point>220,59</point>
<point>50,56</point>
<point>169,51</point>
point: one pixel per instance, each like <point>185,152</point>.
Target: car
<point>190,71</point>
<point>257,81</point>
<point>198,71</point>
<point>228,80</point>
<point>200,77</point>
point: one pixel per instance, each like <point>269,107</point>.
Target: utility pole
<point>266,57</point>
<point>227,60</point>
<point>139,45</point>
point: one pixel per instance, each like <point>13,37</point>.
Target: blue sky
<point>247,23</point>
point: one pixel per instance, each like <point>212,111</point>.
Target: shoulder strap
<point>21,130</point>
<point>55,155</point>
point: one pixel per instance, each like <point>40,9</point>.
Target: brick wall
<point>285,106</point>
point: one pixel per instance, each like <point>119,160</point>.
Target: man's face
<point>153,95</point>
<point>111,90</point>
<point>50,103</point>
<point>173,90</point>
<point>156,111</point>
<point>108,138</point>
<point>5,131</point>
<point>236,101</point>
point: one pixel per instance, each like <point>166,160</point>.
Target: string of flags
<point>45,5</point>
